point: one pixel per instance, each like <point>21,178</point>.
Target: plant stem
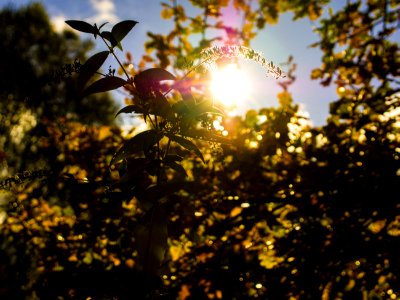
<point>167,149</point>
<point>158,155</point>
<point>111,49</point>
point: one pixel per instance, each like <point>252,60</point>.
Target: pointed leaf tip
<point>81,26</point>
<point>90,67</point>
<point>121,29</point>
<point>187,144</point>
<point>103,85</point>
<point>130,109</point>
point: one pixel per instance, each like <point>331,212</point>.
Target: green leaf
<point>141,142</point>
<point>90,67</point>
<point>187,144</point>
<point>181,108</point>
<point>207,107</point>
<point>130,109</point>
<point>120,30</point>
<point>81,26</point>
<point>104,84</point>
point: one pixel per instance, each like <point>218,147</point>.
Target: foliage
<point>288,211</point>
<point>37,84</point>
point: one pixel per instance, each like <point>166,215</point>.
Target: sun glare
<point>230,85</point>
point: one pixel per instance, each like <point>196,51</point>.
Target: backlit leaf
<point>206,135</point>
<point>109,37</point>
<point>173,157</point>
<point>130,109</point>
<point>187,144</point>
<point>140,142</point>
<point>120,30</point>
<point>175,166</point>
<point>104,84</point>
<point>81,26</point>
<point>154,75</point>
<point>149,79</point>
<point>90,67</point>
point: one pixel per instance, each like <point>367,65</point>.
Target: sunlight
<point>230,85</point>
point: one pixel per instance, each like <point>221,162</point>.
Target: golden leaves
<point>184,292</point>
<point>284,98</point>
<point>236,211</point>
<point>268,258</point>
<point>377,226</point>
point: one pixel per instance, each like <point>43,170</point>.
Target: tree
<point>37,87</point>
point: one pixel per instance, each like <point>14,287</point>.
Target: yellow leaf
<point>350,285</point>
<point>268,259</point>
<point>184,292</point>
<point>73,258</point>
<point>377,226</point>
<point>236,211</point>
<point>285,98</point>
<point>166,13</point>
<point>104,132</point>
<point>88,258</point>
<point>176,251</point>
<point>16,228</point>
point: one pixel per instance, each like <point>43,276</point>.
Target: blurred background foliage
<point>37,86</point>
<point>286,211</point>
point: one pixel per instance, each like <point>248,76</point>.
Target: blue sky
<point>275,42</point>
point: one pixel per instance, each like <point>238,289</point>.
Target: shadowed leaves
<point>104,85</point>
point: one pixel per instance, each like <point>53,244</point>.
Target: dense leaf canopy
<point>274,209</point>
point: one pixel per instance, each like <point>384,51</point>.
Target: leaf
<point>102,25</point>
<point>207,107</point>
<point>109,37</point>
<point>181,108</point>
<point>140,142</point>
<point>236,211</point>
<point>147,80</point>
<point>184,88</point>
<point>90,67</point>
<point>162,108</point>
<point>175,166</point>
<point>154,75</point>
<point>134,170</point>
<point>156,192</point>
<point>173,157</point>
<point>81,26</point>
<point>121,29</point>
<point>130,109</point>
<point>104,84</point>
<point>187,144</point>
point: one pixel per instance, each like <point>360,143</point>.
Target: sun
<point>230,85</point>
